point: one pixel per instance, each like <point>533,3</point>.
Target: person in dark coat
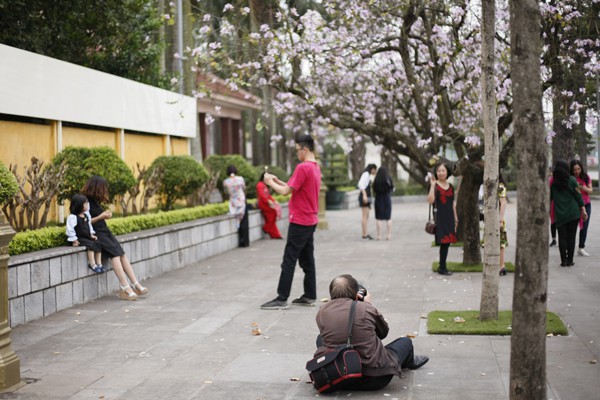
<point>379,362</point>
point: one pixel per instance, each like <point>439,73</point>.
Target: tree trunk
<point>357,156</point>
<point>582,139</point>
<point>468,215</point>
<point>528,343</point>
<point>563,142</point>
<point>488,309</point>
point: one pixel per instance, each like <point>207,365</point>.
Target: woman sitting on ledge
<point>96,190</point>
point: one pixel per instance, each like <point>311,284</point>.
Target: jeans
<point>566,240</point>
<point>586,223</point>
<point>402,348</point>
<point>299,247</point>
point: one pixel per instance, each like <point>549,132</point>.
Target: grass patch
<point>442,322</point>
<point>457,244</point>
<point>460,267</point>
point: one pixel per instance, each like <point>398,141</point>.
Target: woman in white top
<point>236,187</point>
<point>364,197</point>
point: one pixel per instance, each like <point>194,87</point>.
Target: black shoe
<point>569,264</point>
<point>418,362</point>
<point>562,264</point>
<point>503,272</point>
<point>275,304</point>
<point>553,243</point>
<point>304,301</point>
<point>444,272</point>
<point>368,237</point>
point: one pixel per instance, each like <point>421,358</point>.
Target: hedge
<point>49,237</point>
<point>46,238</point>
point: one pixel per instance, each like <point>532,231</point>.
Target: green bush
<point>46,238</point>
<point>8,184</point>
<point>408,189</point>
<point>259,169</point>
<point>182,176</point>
<point>219,163</point>
<point>84,162</point>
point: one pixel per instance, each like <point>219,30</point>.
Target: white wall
<point>32,85</point>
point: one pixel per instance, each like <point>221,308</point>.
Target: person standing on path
<point>236,188</point>
<point>441,195</point>
<point>585,188</point>
<point>269,208</point>
<point>304,186</point>
<point>568,210</point>
<point>364,198</point>
<point>383,188</point>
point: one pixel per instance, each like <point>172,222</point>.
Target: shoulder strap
<point>351,322</point>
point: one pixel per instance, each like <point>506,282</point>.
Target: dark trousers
<point>443,255</point>
<point>243,231</point>
<point>299,247</point>
<point>553,231</point>
<point>566,240</point>
<point>586,223</point>
<point>402,348</point>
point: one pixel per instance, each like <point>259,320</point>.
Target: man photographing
<point>379,363</point>
<point>304,186</point>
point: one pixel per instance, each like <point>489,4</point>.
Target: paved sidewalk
<point>191,338</point>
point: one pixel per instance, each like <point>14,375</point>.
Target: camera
<point>362,291</point>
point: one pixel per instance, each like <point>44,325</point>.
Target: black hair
<point>446,165</point>
<point>77,202</point>
<point>343,286</point>
<point>262,177</point>
<point>306,141</point>
<point>369,167</point>
<point>231,170</point>
<point>561,175</point>
<point>582,175</point>
<point>382,181</point>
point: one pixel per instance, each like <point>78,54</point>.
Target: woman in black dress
<point>96,190</point>
<point>383,188</point>
<point>441,195</point>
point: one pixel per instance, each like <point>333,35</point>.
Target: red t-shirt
<point>304,204</point>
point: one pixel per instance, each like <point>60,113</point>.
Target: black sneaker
<point>553,243</point>
<point>275,304</point>
<point>304,301</point>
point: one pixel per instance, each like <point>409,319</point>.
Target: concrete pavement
<point>191,338</point>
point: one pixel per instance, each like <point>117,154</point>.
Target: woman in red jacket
<point>270,209</point>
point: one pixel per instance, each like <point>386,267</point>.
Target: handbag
<point>332,370</point>
<point>431,225</point>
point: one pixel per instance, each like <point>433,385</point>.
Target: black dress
<point>444,217</point>
<point>84,236</point>
<point>383,200</point>
<point>110,245</point>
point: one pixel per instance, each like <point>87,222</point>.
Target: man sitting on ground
<point>379,363</point>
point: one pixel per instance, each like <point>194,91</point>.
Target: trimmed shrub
<point>182,175</point>
<point>8,184</point>
<point>219,163</point>
<point>84,162</point>
<point>259,169</point>
<point>46,238</point>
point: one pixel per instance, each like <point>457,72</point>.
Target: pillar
<point>10,372</point>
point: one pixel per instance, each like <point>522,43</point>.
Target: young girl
<point>80,232</point>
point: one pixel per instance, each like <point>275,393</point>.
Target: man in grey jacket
<point>379,363</point>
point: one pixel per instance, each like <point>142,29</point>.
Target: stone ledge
<point>47,281</point>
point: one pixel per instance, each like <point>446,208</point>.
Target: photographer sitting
<point>379,363</point>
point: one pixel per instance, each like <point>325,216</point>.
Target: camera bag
<point>331,370</point>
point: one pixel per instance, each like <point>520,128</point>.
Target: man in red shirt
<point>304,186</point>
